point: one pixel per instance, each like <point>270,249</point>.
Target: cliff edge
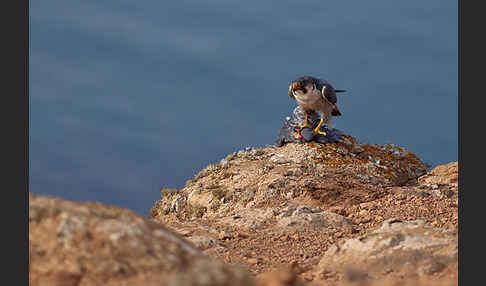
<point>290,206</point>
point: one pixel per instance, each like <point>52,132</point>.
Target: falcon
<point>315,94</point>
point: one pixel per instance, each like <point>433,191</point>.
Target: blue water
<point>130,96</point>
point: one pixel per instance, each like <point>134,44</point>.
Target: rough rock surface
<point>403,248</point>
<point>284,207</point>
<point>94,244</point>
<point>289,133</point>
<point>444,174</point>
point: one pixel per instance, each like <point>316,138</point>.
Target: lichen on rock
<point>282,206</point>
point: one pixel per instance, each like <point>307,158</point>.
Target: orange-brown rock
<point>297,201</point>
<point>337,214</point>
<point>94,244</point>
<point>398,248</point>
<point>444,174</point>
<point>312,171</point>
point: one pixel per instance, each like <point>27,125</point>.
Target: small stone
<point>301,210</point>
<point>365,220</point>
<point>368,205</point>
<point>342,150</point>
<point>308,276</point>
<point>357,149</point>
<point>243,235</point>
<point>282,215</point>
<point>431,268</point>
<point>270,212</point>
<point>224,235</point>
<point>184,232</point>
<point>338,210</point>
<point>401,196</point>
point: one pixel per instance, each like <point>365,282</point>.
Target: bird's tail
<point>335,111</point>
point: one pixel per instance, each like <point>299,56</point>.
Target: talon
<point>301,126</point>
<point>318,128</point>
<point>320,132</point>
<point>306,124</point>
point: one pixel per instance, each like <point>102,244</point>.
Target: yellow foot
<point>320,132</point>
<point>301,126</point>
<point>306,124</point>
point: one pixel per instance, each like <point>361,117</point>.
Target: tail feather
<point>335,111</point>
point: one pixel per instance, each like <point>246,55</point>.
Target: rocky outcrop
<point>285,207</point>
<point>342,213</point>
<point>441,175</point>
<point>314,171</point>
<point>401,248</point>
<point>94,244</point>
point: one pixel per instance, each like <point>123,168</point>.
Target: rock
<point>177,203</point>
<point>242,235</point>
<point>368,205</point>
<point>443,174</point>
<point>418,194</point>
<point>288,133</point>
<point>444,193</point>
<point>214,273</point>
<point>250,218</point>
<point>318,220</point>
<point>338,210</point>
<point>223,235</point>
<point>279,159</point>
<point>275,174</point>
<point>342,150</point>
<point>94,244</point>
<point>404,247</point>
<point>305,210</point>
<point>281,277</point>
<point>295,201</point>
<point>203,242</point>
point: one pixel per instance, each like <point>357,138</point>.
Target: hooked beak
<point>339,90</point>
<point>296,85</point>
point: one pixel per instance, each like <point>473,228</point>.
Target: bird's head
<point>307,85</point>
<point>301,86</point>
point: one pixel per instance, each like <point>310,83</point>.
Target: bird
<point>314,94</point>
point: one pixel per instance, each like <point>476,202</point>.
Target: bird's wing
<point>330,96</point>
<point>290,92</point>
<point>328,92</point>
